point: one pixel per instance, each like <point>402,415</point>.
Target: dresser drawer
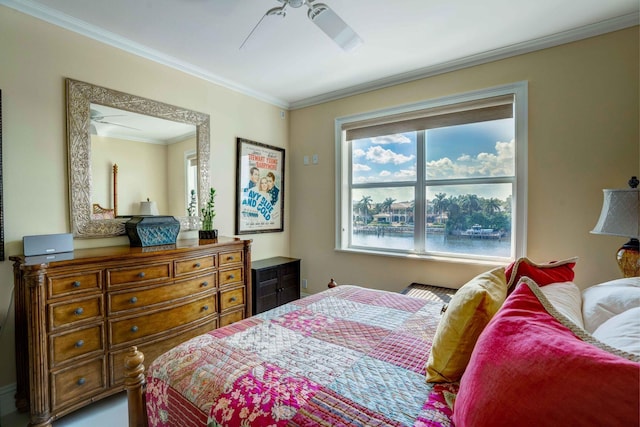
<point>233,257</point>
<point>230,298</point>
<point>194,265</point>
<point>86,281</point>
<point>78,382</point>
<point>227,277</point>
<point>145,297</point>
<point>153,349</point>
<point>81,310</point>
<point>231,317</point>
<point>70,345</point>
<point>138,274</point>
<point>135,328</point>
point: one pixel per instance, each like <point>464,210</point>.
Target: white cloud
<point>398,138</point>
<point>358,152</point>
<point>359,167</point>
<point>385,174</point>
<point>379,155</point>
<point>500,163</point>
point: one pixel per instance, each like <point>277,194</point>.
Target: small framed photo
<point>259,188</point>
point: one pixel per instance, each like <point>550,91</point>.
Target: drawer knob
<point>196,265</point>
<point>81,381</point>
<point>231,276</point>
<point>133,300</point>
<point>79,344</point>
<point>76,284</point>
<point>141,274</point>
<point>134,329</point>
<point>232,299</point>
<point>205,284</point>
<point>79,311</point>
<point>230,258</point>
<point>205,308</point>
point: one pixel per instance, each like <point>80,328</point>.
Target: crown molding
<point>72,24</point>
<point>557,39</point>
<point>65,21</point>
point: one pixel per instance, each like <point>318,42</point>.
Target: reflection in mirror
<point>150,155</point>
<point>124,150</point>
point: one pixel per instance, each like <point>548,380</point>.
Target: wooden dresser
<point>76,318</point>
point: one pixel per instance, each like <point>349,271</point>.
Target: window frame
<point>343,187</point>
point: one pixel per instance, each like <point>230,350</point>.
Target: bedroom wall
<point>138,162</point>
<point>36,58</point>
<point>583,137</point>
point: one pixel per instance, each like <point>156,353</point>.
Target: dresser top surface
<point>85,255</point>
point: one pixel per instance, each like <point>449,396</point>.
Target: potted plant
<point>208,213</point>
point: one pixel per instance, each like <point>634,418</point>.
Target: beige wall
<point>583,137</point>
<point>36,58</point>
<point>142,173</point>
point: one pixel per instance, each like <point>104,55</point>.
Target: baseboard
<point>7,399</point>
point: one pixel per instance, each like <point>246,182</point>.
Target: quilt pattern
<point>349,356</point>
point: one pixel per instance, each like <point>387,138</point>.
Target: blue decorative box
<point>152,230</point>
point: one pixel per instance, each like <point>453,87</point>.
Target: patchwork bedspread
<point>348,356</point>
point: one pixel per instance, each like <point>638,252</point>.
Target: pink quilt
<point>349,356</point>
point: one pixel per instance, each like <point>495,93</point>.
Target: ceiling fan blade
<point>264,24</point>
<point>333,26</point>
<point>115,124</point>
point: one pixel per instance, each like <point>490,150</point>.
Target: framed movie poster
<point>260,188</point>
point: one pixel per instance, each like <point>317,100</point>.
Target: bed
<point>352,356</point>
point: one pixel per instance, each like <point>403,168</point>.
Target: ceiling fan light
<point>334,27</point>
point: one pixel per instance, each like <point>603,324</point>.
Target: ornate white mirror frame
<point>79,97</point>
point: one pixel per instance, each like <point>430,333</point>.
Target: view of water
<point>438,243</point>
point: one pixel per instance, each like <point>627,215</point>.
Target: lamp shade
<point>619,216</point>
<point>148,208</point>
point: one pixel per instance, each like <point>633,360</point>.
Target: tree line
<point>455,213</point>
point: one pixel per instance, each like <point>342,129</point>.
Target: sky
<point>473,150</point>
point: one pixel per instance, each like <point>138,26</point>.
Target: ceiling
<point>296,64</point>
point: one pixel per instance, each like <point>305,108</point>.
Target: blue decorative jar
<point>152,230</point>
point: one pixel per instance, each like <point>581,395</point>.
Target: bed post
<point>134,384</point>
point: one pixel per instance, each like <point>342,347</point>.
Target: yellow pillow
<point>469,311</point>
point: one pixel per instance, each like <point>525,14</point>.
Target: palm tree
<point>364,205</point>
<point>439,204</point>
<point>492,205</point>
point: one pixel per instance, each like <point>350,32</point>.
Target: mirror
<point>98,121</point>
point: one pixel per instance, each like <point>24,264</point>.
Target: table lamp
<point>619,217</point>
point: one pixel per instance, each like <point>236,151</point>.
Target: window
<point>191,179</point>
<point>444,178</point>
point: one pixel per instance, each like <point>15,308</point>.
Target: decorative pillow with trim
<point>533,365</point>
<point>567,299</point>
<point>469,311</point>
<point>542,274</point>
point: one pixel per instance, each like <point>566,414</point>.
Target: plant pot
<point>207,234</point>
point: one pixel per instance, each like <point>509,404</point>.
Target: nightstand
<point>275,281</point>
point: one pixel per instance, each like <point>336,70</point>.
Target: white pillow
<point>622,331</point>
<point>565,297</point>
<point>602,302</point>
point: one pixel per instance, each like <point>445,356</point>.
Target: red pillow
<point>542,274</point>
<point>529,369</point>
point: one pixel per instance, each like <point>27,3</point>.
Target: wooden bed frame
<point>134,383</point>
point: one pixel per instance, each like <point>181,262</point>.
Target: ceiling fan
<point>97,117</point>
<point>321,15</point>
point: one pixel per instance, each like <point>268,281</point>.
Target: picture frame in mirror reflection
<point>259,187</point>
